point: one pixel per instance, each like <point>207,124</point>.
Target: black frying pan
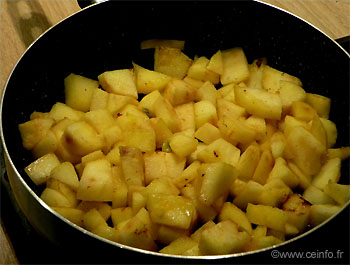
<point>107,36</point>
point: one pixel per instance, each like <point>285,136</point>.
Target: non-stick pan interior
<point>107,36</point>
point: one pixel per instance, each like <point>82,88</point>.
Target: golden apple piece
<point>65,172</point>
<point>60,111</point>
<point>99,99</point>
<point>204,111</point>
<point>223,238</point>
<point>342,152</point>
<point>72,214</point>
<point>290,92</point>
<point>306,150</point>
<point>331,131</point>
<point>259,102</point>
<point>137,231</point>
<point>54,198</point>
<point>268,216</point>
<point>148,80</point>
<point>321,212</point>
<point>338,192</point>
<point>330,171</point>
<point>174,211</point>
<point>80,139</point>
<point>179,92</point>
<point>219,151</point>
<point>190,173</point>
<point>271,79</point>
<point>78,91</point>
<point>47,144</point>
<point>320,103</point>
<point>207,133</point>
<point>40,170</point>
<point>171,61</point>
<point>231,212</point>
<point>132,165</point>
<point>121,82</point>
<point>185,113</point>
<point>235,66</point>
<point>182,145</point>
<point>302,111</point>
<point>216,63</point>
<point>33,131</point>
<point>96,182</point>
<point>179,246</point>
<point>217,180</point>
<point>207,92</point>
<point>315,195</point>
<point>298,211</point>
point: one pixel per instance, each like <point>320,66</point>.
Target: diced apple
<point>272,77</point>
<point>330,171</point>
<point>99,99</point>
<point>268,216</point>
<point>121,82</point>
<point>80,138</point>
<point>231,212</point>
<point>47,144</point>
<point>235,66</point>
<point>33,131</point>
<point>54,198</point>
<point>148,80</point>
<point>219,151</point>
<point>175,211</point>
<point>179,92</point>
<point>217,180</point>
<point>78,91</point>
<point>171,61</point>
<point>315,195</point>
<point>40,170</point>
<point>204,111</point>
<point>185,113</point>
<point>132,165</point>
<point>338,192</point>
<point>259,102</point>
<point>65,172</point>
<point>320,103</point>
<point>321,212</point>
<point>216,63</point>
<point>60,111</point>
<point>302,111</point>
<point>72,214</point>
<point>96,182</point>
<point>306,150</point>
<point>183,145</point>
<point>223,238</point>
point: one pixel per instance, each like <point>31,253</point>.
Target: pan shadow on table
<point>28,19</point>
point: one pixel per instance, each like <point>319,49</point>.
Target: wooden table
<point>22,21</point>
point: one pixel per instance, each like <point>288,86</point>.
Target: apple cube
<point>235,66</point>
<point>78,91</point>
<point>40,170</point>
<point>217,180</point>
<point>171,61</point>
<point>96,182</point>
<point>121,82</point>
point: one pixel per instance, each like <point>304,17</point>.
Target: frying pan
<point>107,36</point>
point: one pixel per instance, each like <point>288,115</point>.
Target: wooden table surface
<point>22,21</point>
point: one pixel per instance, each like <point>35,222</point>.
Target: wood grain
<point>22,22</point>
<point>332,17</point>
<point>7,253</point>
